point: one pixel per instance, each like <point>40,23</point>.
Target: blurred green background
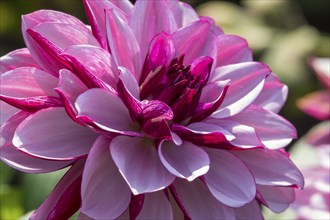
<point>282,33</point>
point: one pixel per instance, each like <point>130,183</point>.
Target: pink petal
<point>247,81</point>
<point>104,193</point>
<point>106,110</point>
<point>26,82</point>
<point>156,206</point>
<point>229,180</point>
<point>316,104</point>
<point>183,13</point>
<point>250,211</point>
<point>139,164</point>
<point>19,160</point>
<point>276,198</point>
<point>273,130</point>
<point>150,18</point>
<point>15,59</point>
<point>198,202</point>
<point>64,200</point>
<point>93,62</point>
<point>204,134</point>
<point>125,52</point>
<point>51,134</point>
<point>95,11</point>
<point>6,111</point>
<point>273,95</point>
<point>69,88</point>
<point>185,41</point>
<point>186,161</point>
<point>272,167</point>
<point>322,68</point>
<point>232,49</point>
<point>130,82</point>
<point>242,136</point>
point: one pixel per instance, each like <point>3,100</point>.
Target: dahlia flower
<point>156,111</point>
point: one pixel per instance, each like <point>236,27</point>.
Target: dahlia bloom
<point>158,113</point>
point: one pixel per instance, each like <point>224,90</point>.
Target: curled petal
<point>105,195</point>
<point>135,156</point>
<point>229,180</point>
<point>106,110</point>
<point>19,160</point>
<point>6,111</point>
<point>50,134</point>
<point>186,161</point>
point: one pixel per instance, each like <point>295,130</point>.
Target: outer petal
<point>15,59</point>
<point>198,202</point>
<point>156,206</point>
<point>229,180</point>
<point>276,198</point>
<point>232,49</point>
<point>273,130</point>
<point>64,200</point>
<point>6,111</point>
<point>125,52</point>
<point>322,69</point>
<point>95,11</point>
<point>106,110</point>
<point>247,81</point>
<point>21,161</point>
<point>105,195</point>
<point>51,134</point>
<point>186,161</point>
<point>185,41</point>
<point>273,95</point>
<point>134,158</point>
<point>150,18</point>
<point>46,58</point>
<point>251,211</point>
<point>316,104</point>
<point>183,13</point>
<point>271,168</point>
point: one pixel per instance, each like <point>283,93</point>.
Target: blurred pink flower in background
<point>160,114</point>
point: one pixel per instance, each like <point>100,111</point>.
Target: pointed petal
<point>105,195</point>
<point>247,81</point>
<point>273,95</point>
<point>51,134</point>
<point>198,202</point>
<point>15,59</point>
<point>272,167</point>
<point>139,164</point>
<point>156,206</point>
<point>64,200</point>
<point>95,11</point>
<point>185,41</point>
<point>322,68</point>
<point>276,198</point>
<point>6,111</point>
<point>106,110</point>
<point>274,131</point>
<point>251,211</point>
<point>19,160</point>
<point>125,53</point>
<point>228,179</point>
<point>232,49</point>
<point>150,18</point>
<point>316,104</point>
<point>186,161</point>
<point>130,82</point>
